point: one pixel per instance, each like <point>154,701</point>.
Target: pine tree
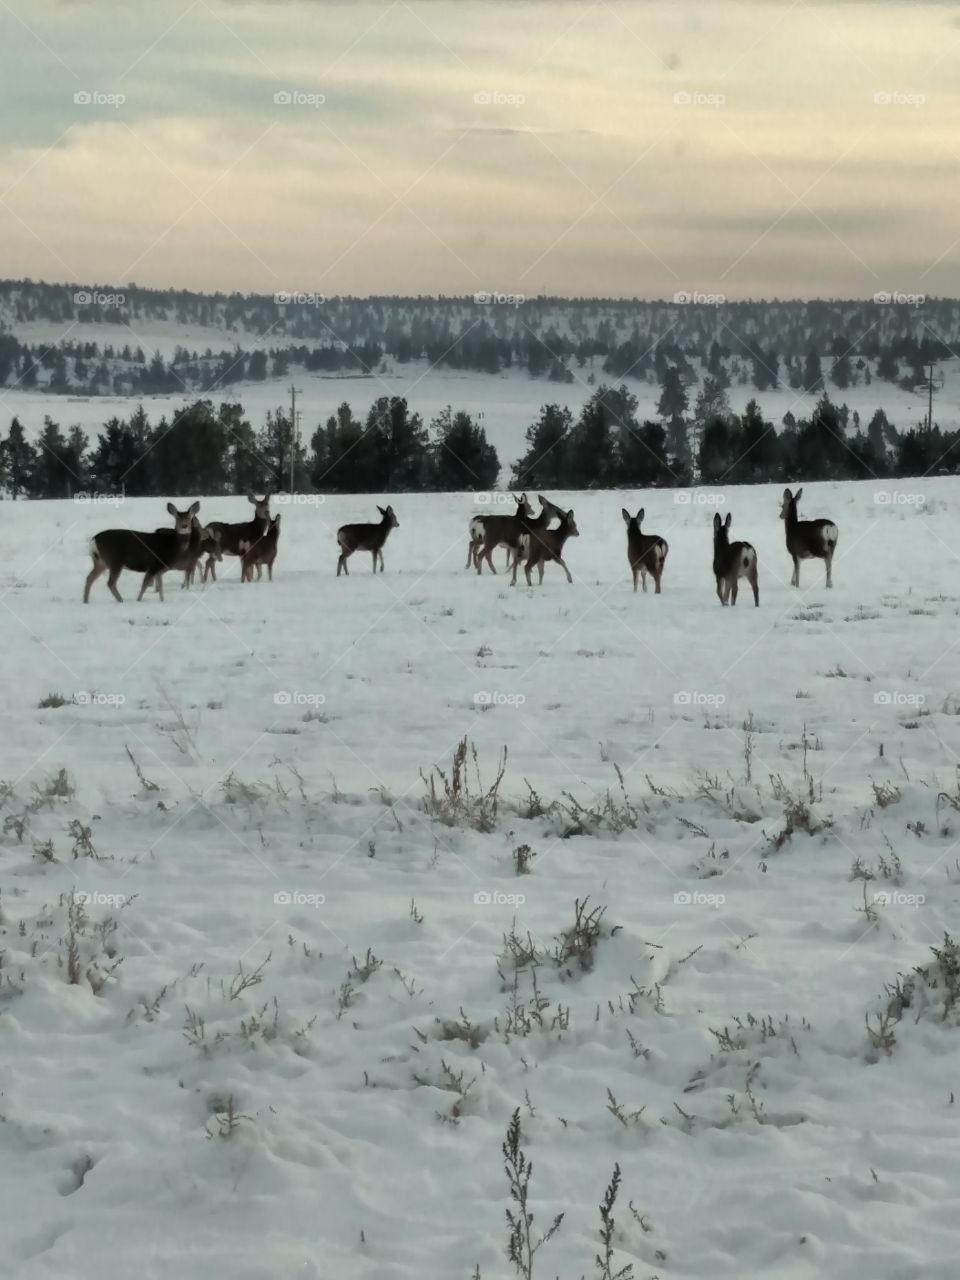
<point>21,460</point>
<point>463,458</point>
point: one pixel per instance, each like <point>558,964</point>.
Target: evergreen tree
<point>545,463</point>
<point>20,458</point>
<point>463,458</point>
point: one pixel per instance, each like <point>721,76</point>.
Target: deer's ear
<point>570,514</point>
<point>626,515</point>
<point>640,514</point>
<point>729,520</point>
<point>542,500</point>
<point>194,509</point>
<point>172,509</point>
<point>787,495</point>
<point>251,498</point>
<point>716,522</point>
<point>798,495</point>
<point>381,510</point>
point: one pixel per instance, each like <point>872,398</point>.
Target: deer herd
<point>531,540</point>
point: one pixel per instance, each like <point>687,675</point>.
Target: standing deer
<point>475,536</point>
<point>533,530</point>
<point>365,537</point>
<point>731,562</point>
<point>807,539</point>
<point>646,552</point>
<point>549,546</point>
<point>505,530</point>
<point>262,553</point>
<point>208,544</point>
<point>151,554</point>
<point>235,539</point>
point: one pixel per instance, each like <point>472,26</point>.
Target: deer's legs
<point>112,584</point>
<point>756,588</point>
<point>829,560</point>
<point>92,576</point>
<point>795,580</point>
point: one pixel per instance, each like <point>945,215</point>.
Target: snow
<point>284,728</point>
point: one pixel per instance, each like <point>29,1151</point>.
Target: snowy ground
<point>277,1025</point>
<point>506,404</point>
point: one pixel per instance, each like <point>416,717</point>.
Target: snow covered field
<point>266,1009</point>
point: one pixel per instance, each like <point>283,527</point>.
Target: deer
<point>731,562</point>
<point>646,552</point>
<point>475,536</point>
<point>548,545</point>
<point>262,553</point>
<point>505,530</point>
<point>807,539</point>
<point>235,539</point>
<point>365,537</point>
<point>209,547</point>
<point>151,554</point>
<point>532,529</point>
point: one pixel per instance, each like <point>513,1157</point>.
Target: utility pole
<point>294,431</point>
<point>932,384</point>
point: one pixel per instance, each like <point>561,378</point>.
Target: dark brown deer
<point>731,562</point>
<point>235,539</point>
<point>533,530</point>
<point>475,536</point>
<point>262,553</point>
<point>807,539</point>
<point>365,537</point>
<point>646,552</point>
<point>549,546</point>
<point>209,547</point>
<point>502,531</point>
<point>151,554</point>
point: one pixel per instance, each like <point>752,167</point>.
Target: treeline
<point>761,344</point>
<point>208,451</point>
<point>608,446</point>
<point>214,451</point>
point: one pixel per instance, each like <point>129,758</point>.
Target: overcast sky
<point>453,147</point>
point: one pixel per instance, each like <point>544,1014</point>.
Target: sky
<point>750,149</point>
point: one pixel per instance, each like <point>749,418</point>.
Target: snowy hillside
<point>273,983</point>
